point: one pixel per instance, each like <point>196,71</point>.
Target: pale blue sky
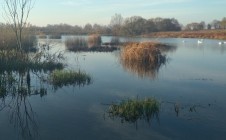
<point>80,12</point>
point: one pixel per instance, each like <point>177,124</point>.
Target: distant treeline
<point>131,26</point>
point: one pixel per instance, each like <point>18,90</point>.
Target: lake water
<point>193,79</point>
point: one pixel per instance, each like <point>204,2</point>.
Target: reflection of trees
<point>15,90</point>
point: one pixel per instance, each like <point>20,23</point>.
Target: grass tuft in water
<point>60,78</point>
<point>133,110</point>
<point>143,59</point>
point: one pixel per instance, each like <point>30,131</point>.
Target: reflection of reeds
<point>143,59</point>
<point>132,110</point>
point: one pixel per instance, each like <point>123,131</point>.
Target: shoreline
<point>203,34</point>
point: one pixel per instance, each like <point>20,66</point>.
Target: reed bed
<point>143,59</point>
<point>18,61</point>
<point>8,40</point>
<point>133,110</point>
<point>94,40</point>
<point>76,44</point>
<point>60,78</point>
<point>93,44</point>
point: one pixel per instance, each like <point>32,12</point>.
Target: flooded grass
<point>133,109</point>
<point>144,59</point>
<point>60,78</point>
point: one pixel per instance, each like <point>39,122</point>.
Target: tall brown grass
<point>94,40</point>
<point>76,44</point>
<point>143,59</point>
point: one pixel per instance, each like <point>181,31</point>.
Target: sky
<point>80,12</point>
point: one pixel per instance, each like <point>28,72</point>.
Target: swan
<point>220,43</point>
<point>200,41</point>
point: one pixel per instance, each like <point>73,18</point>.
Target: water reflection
<point>15,92</point>
<point>16,89</point>
<point>142,70</point>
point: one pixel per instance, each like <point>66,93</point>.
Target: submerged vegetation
<point>133,110</point>
<point>60,78</point>
<point>144,59</point>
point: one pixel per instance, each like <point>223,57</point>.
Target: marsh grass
<point>76,44</point>
<point>143,59</point>
<point>18,61</point>
<point>134,109</point>
<point>8,39</point>
<point>93,44</point>
<point>60,78</point>
<point>94,40</point>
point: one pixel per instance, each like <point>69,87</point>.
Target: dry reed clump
<point>143,59</point>
<point>94,40</point>
<point>76,44</point>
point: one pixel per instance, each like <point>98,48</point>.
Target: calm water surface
<point>193,79</point>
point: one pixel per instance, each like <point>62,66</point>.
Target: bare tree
<point>116,24</point>
<point>17,12</point>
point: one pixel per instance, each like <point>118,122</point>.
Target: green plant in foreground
<point>132,110</point>
<point>61,78</point>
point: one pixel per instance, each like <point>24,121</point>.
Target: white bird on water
<point>200,41</point>
<point>221,43</point>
